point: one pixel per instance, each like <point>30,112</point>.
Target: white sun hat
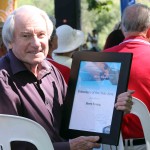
<point>68,39</point>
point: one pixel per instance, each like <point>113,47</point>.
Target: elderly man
<point>32,87</point>
<point>136,29</point>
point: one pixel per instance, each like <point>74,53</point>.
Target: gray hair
<point>53,19</point>
<point>9,25</point>
<point>136,18</point>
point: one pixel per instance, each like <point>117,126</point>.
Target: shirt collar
<point>136,37</point>
<point>18,66</point>
<point>15,64</point>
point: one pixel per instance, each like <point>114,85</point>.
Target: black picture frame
<point>89,70</point>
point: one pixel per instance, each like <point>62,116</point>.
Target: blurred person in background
<point>53,44</point>
<point>135,25</point>
<point>93,41</point>
<point>115,37</point>
<point>69,41</point>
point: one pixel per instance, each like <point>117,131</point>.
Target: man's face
<point>30,43</point>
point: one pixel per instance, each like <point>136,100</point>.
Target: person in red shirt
<point>136,29</point>
<point>53,44</point>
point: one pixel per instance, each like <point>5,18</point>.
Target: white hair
<point>8,28</point>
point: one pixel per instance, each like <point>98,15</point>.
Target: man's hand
<point>124,101</point>
<point>84,143</point>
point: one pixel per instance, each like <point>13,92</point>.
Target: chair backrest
<point>141,110</point>
<point>16,128</point>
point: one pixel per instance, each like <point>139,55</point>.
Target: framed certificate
<point>96,79</point>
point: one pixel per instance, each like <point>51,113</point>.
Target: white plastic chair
<point>16,128</point>
<point>141,110</point>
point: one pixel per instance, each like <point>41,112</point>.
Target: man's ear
<point>10,46</point>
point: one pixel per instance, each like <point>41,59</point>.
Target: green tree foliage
<point>98,5</point>
<point>103,18</point>
<point>46,5</point>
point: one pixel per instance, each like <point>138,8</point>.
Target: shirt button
<point>46,102</point>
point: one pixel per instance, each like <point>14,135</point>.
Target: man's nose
<point>36,41</point>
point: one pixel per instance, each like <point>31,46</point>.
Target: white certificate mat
<point>96,88</point>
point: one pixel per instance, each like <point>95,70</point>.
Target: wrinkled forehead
<point>33,19</point>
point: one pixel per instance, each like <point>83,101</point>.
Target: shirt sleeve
<point>61,146</point>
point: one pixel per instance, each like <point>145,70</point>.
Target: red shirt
<point>63,69</point>
<point>139,80</point>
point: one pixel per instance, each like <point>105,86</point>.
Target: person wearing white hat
<point>69,41</point>
<point>53,44</point>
